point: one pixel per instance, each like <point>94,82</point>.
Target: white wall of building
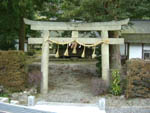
<point>25,47</point>
<point>17,46</point>
<point>122,49</point>
<point>135,51</point>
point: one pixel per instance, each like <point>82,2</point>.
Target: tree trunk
<point>21,34</point>
<point>115,58</point>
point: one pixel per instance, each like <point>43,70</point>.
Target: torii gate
<point>104,27</point>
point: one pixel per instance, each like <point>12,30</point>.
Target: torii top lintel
<point>76,26</point>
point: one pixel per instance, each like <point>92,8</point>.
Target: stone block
<point>4,99</point>
<point>14,102</point>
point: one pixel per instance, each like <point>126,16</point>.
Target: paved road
<point>6,108</point>
<point>129,110</point>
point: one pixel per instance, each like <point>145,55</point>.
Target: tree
<point>8,27</point>
<point>11,19</point>
<point>106,10</point>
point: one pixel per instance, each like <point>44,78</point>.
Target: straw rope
<point>78,42</point>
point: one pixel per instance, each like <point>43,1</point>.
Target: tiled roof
<point>137,27</point>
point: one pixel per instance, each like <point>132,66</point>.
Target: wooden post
<point>105,57</point>
<point>45,62</point>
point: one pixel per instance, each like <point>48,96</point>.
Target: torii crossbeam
<point>104,27</point>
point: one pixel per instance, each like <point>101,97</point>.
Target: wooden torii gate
<point>104,27</point>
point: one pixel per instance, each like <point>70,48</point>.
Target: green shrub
<point>31,52</point>
<point>12,70</point>
<point>138,79</point>
<point>115,85</point>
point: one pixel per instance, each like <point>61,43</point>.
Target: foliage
<point>7,42</point>
<point>138,79</point>
<point>12,70</point>
<point>13,12</point>
<point>50,10</point>
<point>8,27</point>
<point>104,10</point>
<point>115,85</point>
<point>11,19</point>
<point>140,10</point>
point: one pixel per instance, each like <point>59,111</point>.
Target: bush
<point>34,79</point>
<point>115,85</point>
<point>138,79</point>
<point>98,86</point>
<point>30,52</point>
<point>12,70</point>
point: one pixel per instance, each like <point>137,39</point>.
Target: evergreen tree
<point>11,18</point>
<point>106,10</point>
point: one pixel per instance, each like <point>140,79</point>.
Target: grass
<point>4,95</point>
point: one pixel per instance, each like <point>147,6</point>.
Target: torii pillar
<point>105,58</point>
<point>104,27</point>
<point>45,62</point>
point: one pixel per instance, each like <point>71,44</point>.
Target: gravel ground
<point>72,85</point>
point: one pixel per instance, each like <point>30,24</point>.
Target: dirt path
<point>71,83</point>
